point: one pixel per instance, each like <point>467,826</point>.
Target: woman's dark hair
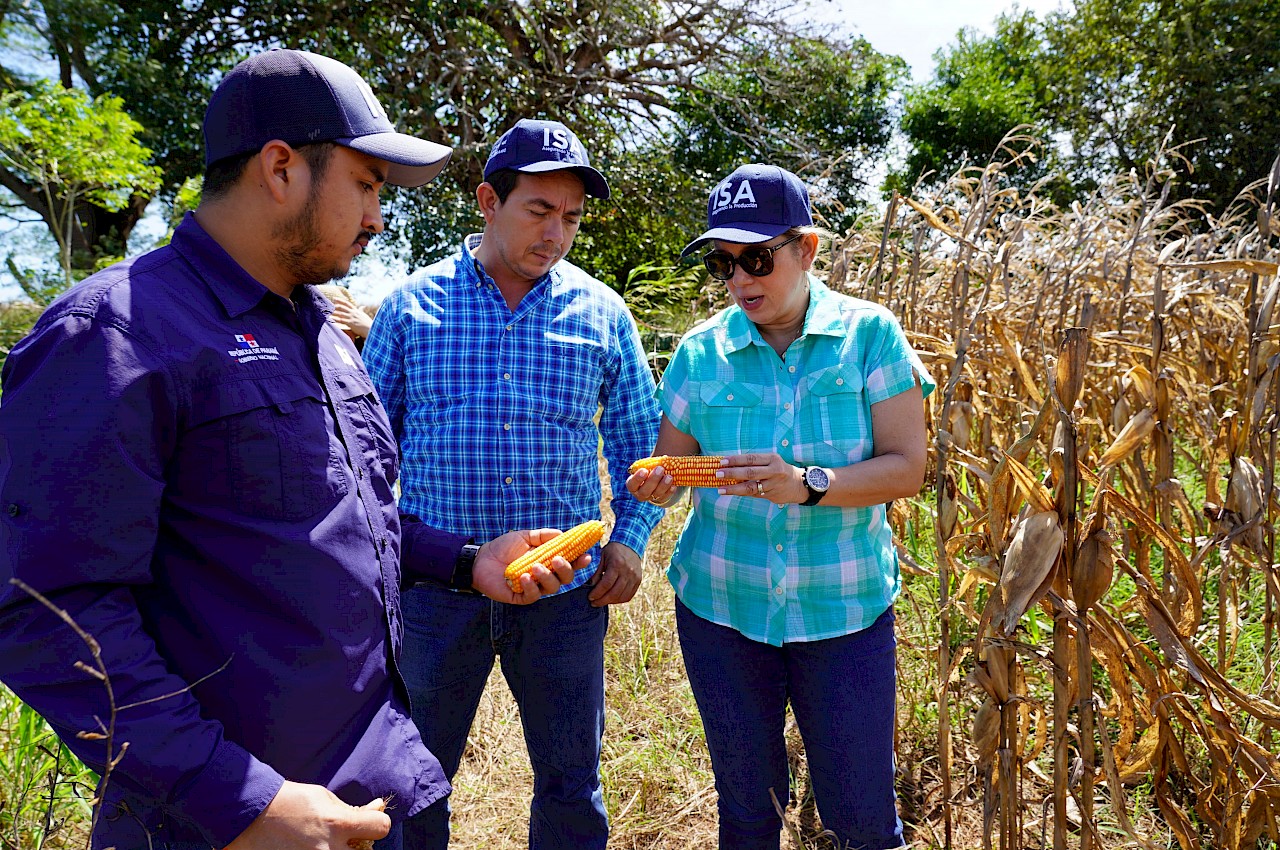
<point>220,176</point>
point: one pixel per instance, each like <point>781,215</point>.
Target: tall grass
<point>44,790</point>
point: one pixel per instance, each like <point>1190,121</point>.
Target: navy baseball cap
<point>299,98</point>
<point>754,204</point>
<point>534,146</point>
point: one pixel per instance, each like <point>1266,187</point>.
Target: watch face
<point>817,478</point>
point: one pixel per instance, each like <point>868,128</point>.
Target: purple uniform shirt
<point>199,472</point>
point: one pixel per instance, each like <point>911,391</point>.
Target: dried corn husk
<point>1092,570</point>
<point>1133,435</point>
<point>1037,542</point>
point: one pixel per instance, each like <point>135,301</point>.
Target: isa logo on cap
<point>562,144</point>
<point>726,197</point>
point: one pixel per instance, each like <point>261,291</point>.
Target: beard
<point>297,240</point>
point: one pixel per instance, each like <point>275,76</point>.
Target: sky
<point>915,29</point>
<point>912,29</point>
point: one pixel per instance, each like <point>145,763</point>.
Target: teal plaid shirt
<point>793,573</point>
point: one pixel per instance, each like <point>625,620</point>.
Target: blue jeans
<point>842,692</point>
<point>552,655</point>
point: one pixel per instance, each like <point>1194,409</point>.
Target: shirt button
<point>839,382</point>
<point>787,406</point>
<point>778,590</point>
<point>506,426</point>
<point>786,443</point>
<point>508,327</point>
<point>506,376</point>
<point>791,368</point>
<point>14,510</point>
<point>778,547</point>
<point>729,397</point>
<point>507,479</point>
<point>383,543</point>
<point>359,473</point>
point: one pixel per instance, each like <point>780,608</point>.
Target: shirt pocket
<point>275,434</point>
<point>379,450</point>
<point>836,418</point>
<point>736,418</point>
<point>568,393</point>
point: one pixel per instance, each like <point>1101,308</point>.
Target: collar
<point>822,317</point>
<point>238,290</point>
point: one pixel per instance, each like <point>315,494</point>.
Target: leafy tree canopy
<point>618,72</point>
<point>61,149</point>
<point>1108,80</point>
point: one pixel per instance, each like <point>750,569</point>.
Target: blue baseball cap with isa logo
<point>754,204</point>
<point>534,146</point>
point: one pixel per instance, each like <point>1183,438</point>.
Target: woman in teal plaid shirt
<point>785,582</point>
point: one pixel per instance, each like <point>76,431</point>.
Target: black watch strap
<point>464,569</point>
<point>815,496</point>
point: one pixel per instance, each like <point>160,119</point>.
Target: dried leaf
<point>1260,267</point>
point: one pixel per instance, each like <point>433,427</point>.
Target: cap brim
<point>746,235</point>
<point>593,181</point>
<point>414,161</point>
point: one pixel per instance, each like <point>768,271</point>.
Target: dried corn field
<point>1104,441</point>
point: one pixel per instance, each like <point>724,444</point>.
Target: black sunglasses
<point>756,260</point>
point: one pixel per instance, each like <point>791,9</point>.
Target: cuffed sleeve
<point>426,553</point>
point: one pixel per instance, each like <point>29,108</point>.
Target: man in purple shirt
<point>195,467</point>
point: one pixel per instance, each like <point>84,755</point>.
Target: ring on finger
<point>759,487</point>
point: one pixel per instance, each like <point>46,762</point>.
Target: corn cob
<point>569,545</point>
<point>688,470</point>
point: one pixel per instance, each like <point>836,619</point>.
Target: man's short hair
<point>504,182</point>
<point>220,176</point>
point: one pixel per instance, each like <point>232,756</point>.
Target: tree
<point>61,150</point>
<point>982,87</point>
<point>1127,72</point>
<point>462,72</point>
<point>816,107</point>
<point>1106,82</point>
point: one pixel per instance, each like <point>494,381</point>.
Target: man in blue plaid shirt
<point>493,365</point>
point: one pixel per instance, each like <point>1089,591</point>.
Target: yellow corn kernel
<point>569,545</point>
<point>688,470</point>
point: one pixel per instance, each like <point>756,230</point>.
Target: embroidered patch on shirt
<point>248,349</point>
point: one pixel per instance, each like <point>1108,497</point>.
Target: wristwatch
<point>464,569</point>
<point>817,481</point>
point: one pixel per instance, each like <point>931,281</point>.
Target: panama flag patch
<point>248,350</point>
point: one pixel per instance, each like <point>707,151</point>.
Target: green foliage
<point>981,89</point>
<point>44,789</point>
<point>1128,72</point>
<point>461,73</point>
<point>16,319</point>
<point>824,107</point>
<point>73,149</point>
<point>1108,80</point>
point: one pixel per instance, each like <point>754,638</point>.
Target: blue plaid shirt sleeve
<point>384,360</point>
<point>629,431</point>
